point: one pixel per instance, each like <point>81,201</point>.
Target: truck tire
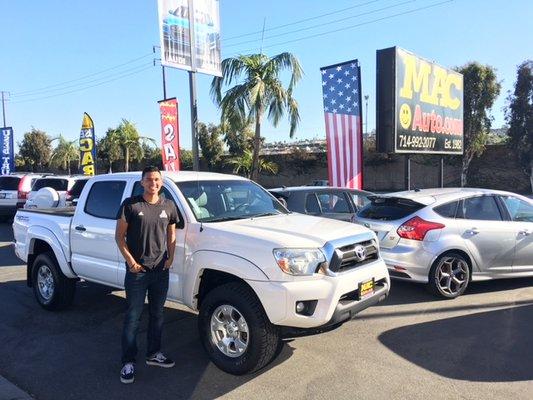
<point>52,289</point>
<point>235,331</point>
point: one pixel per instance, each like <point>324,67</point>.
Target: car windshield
<point>60,185</point>
<point>77,188</point>
<point>388,208</point>
<point>225,200</point>
<point>9,183</point>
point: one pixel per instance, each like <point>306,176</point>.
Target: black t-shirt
<point>146,235</point>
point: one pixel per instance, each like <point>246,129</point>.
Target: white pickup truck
<point>255,272</point>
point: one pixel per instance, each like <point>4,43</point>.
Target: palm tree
<point>260,91</point>
<point>129,140</point>
<point>65,152</point>
<point>108,148</point>
<point>244,164</point>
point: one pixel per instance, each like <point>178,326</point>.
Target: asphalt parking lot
<point>412,346</point>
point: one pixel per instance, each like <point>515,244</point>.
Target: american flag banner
<point>341,88</point>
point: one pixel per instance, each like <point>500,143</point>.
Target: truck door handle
<point>525,232</point>
<point>472,231</point>
<point>80,228</point>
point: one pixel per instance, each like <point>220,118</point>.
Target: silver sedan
<point>446,238</point>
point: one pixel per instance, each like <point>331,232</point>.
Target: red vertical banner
<point>170,144</point>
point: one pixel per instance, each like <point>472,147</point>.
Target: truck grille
<point>348,257</point>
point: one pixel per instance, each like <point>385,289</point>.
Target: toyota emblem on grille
<point>360,252</point>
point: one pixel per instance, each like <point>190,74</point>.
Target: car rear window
<point>77,188</point>
<point>389,208</point>
<point>447,210</point>
<point>9,183</point>
<point>60,185</point>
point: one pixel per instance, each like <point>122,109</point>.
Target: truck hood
<point>291,230</point>
<point>255,239</point>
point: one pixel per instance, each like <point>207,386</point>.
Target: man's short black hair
<point>150,168</point>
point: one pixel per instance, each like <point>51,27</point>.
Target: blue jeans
<point>155,283</point>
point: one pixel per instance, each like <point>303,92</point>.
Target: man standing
<point>146,237</point>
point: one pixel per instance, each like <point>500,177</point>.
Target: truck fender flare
<point>218,261</point>
<point>46,235</point>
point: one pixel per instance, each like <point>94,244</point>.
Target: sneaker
<point>127,374</point>
<point>159,360</point>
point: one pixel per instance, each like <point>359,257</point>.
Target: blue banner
<point>8,152</point>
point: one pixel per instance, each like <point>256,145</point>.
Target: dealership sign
<point>419,105</point>
<point>179,34</point>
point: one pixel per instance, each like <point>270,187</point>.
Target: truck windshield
<point>224,200</point>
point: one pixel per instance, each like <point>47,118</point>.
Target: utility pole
<point>4,107</point>
<point>163,69</point>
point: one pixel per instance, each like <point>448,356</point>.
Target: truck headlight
<point>299,261</point>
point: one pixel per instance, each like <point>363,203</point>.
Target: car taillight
<point>21,193</point>
<point>68,195</point>
<point>416,228</point>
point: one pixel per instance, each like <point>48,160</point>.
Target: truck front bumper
<point>337,298</point>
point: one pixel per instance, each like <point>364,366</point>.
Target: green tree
<point>258,90</point>
<point>520,117</point>
<point>238,136</point>
<point>35,149</point>
<point>108,149</point>
<point>127,137</point>
<point>210,143</point>
<point>481,89</point>
<point>186,159</point>
<point>64,153</point>
<point>244,164</point>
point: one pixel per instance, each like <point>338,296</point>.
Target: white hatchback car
<point>448,237</point>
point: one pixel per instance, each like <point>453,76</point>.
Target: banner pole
<point>192,87</point>
<point>408,171</point>
<point>3,109</point>
<point>441,172</point>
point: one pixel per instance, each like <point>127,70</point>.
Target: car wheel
<point>449,276</point>
<point>52,289</point>
<point>235,331</point>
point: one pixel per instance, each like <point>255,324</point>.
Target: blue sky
<point>52,44</point>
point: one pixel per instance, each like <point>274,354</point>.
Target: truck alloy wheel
<point>235,331</point>
<point>229,331</point>
<point>45,282</point>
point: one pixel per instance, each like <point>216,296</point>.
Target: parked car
<point>14,190</point>
<point>72,195</point>
<point>322,201</point>
<point>53,191</point>
<point>446,238</point>
<point>254,271</point>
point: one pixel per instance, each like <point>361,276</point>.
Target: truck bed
<point>61,212</point>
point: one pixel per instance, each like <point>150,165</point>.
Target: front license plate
<point>366,289</point>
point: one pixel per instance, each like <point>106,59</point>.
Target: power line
<point>327,23</point>
<point>41,92</point>
<point>300,21</point>
<point>86,87</point>
<point>349,27</point>
<point>82,77</point>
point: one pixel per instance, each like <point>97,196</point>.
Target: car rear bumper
<point>408,262</point>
